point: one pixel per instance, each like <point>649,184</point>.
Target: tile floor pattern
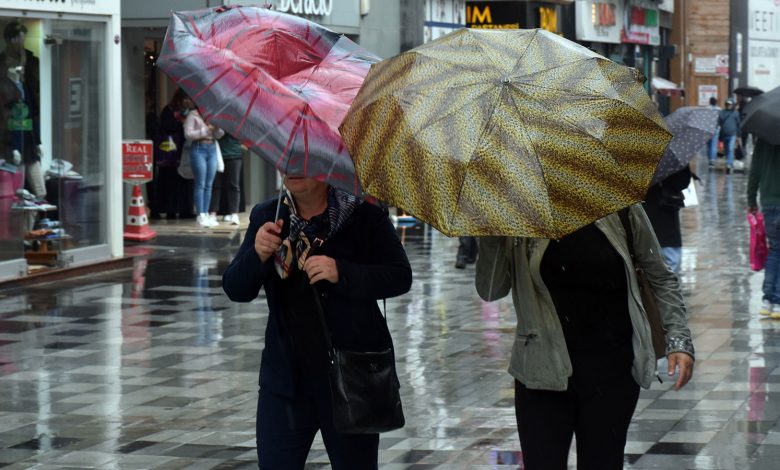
<point>156,368</point>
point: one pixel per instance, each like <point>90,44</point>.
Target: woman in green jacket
<point>583,344</point>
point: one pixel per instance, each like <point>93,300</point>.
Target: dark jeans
<point>771,285</point>
<point>232,179</point>
<point>467,249</point>
<point>286,428</point>
<point>597,408</point>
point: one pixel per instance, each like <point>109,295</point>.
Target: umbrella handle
<point>279,202</point>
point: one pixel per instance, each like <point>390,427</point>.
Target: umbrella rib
<point>536,153</point>
<point>522,55</point>
<point>485,127</point>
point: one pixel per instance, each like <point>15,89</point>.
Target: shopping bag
<point>220,160</point>
<point>185,164</point>
<point>689,194</point>
<point>758,245</point>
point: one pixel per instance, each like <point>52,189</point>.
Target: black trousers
<point>286,428</point>
<point>232,179</point>
<point>597,408</point>
<point>467,249</point>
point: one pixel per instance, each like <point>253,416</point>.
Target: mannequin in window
<point>22,123</point>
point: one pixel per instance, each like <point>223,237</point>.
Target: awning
<point>665,87</point>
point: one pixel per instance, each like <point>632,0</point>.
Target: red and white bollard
<point>137,224</point>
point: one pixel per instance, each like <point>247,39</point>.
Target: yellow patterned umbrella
<point>511,132</point>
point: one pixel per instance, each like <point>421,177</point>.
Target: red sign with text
<point>137,161</point>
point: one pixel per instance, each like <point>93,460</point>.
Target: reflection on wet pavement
<point>155,368</point>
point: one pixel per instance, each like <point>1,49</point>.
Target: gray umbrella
<point>691,128</point>
<point>762,117</point>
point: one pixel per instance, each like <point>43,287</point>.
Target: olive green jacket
<point>539,358</point>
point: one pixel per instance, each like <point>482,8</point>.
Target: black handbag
<point>657,331</point>
<point>364,388</point>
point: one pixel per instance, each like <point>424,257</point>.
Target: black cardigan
<point>372,265</point>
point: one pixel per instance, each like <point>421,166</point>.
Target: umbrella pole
<point>279,202</point>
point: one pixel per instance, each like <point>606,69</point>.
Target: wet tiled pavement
<point>155,368</point>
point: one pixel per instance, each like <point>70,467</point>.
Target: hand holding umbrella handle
<point>268,239</point>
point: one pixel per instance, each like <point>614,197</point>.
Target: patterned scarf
<point>304,233</point>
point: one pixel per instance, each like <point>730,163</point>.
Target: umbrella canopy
<point>665,87</point>
<point>512,132</point>
<point>749,91</point>
<point>691,128</point>
<point>278,83</point>
<point>762,117</point>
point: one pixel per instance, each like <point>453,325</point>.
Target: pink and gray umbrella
<point>691,128</point>
<point>278,83</point>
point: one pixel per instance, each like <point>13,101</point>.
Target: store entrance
<point>53,143</point>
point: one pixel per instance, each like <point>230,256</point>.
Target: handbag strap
<point>324,324</point>
<point>623,213</point>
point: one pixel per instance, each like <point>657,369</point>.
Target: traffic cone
<point>137,225</point>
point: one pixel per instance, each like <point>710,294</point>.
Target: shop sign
<point>763,45</point>
<point>722,64</point>
<point>641,26</point>
<point>706,92</point>
<point>306,7</point>
<point>704,65</point>
<point>494,15</point>
<point>95,7</point>
<point>599,21</point>
<point>137,161</point>
<point>548,19</point>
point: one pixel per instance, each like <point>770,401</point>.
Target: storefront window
<point>52,139</point>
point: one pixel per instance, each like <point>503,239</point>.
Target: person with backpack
<point>729,123</point>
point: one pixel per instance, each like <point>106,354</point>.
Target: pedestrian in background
<point>349,250</point>
<point>172,193</point>
<point>713,148</point>
<point>467,252</point>
<point>764,180</point>
<point>729,123</point>
<point>232,154</point>
<point>203,153</point>
<point>662,205</point>
<point>583,345</point>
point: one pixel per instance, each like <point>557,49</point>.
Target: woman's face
<point>300,186</point>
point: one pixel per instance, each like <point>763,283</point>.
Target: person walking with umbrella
<point>764,180</point>
<point>583,347</point>
<point>349,251</point>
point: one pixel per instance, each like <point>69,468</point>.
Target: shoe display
<point>26,195</point>
<point>766,308</point>
<point>44,205</point>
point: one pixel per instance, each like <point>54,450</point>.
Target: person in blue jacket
<point>729,123</point>
<point>350,251</point>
